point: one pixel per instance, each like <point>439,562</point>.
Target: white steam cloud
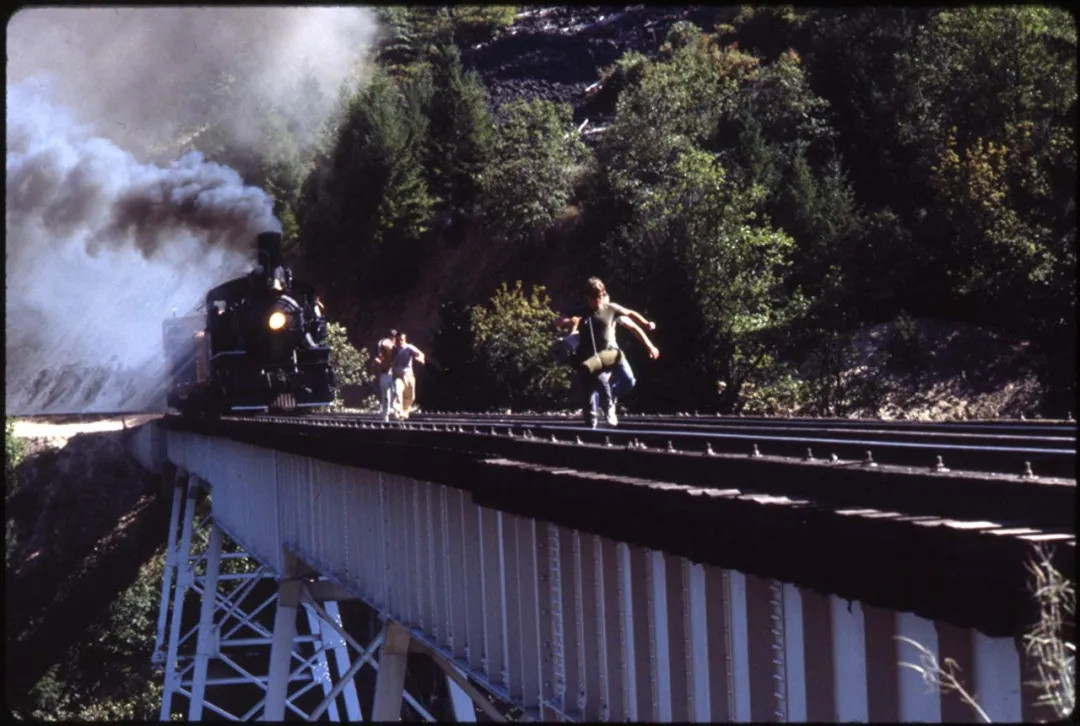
<point>107,233</point>
<point>149,77</point>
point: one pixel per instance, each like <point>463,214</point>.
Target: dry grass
<point>1047,643</point>
<point>941,677</point>
<point>1054,654</point>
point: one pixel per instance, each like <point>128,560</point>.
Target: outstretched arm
<point>640,319</point>
<point>419,355</point>
<point>571,322</point>
<point>629,324</point>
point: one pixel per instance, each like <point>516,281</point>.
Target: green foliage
<point>991,97</point>
<point>11,541</point>
<point>535,160</point>
<point>622,74</point>
<point>673,106</point>
<point>511,339</point>
<point>983,67</point>
<point>906,344</point>
<point>77,688</point>
<point>411,32</point>
<point>769,30</point>
<point>736,267</point>
<point>13,455</point>
<point>892,158</point>
<point>351,365</point>
<point>478,23</point>
<point>725,274</point>
<point>782,393</point>
<point>461,131</point>
<point>407,33</point>
<point>366,204</point>
<point>131,619</point>
<point>460,383</point>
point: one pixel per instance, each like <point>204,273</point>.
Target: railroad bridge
<point>673,569</point>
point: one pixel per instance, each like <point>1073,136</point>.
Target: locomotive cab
<point>187,362</point>
<point>265,340</point>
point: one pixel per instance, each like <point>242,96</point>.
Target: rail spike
<point>1028,473</point>
<point>869,460</point>
<point>939,465</point>
<point>756,453</point>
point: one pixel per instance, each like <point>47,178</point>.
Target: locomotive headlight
<point>277,320</point>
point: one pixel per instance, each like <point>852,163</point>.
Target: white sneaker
<point>612,419</point>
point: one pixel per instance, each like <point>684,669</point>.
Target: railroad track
<point>1010,474</point>
<point>1025,449</point>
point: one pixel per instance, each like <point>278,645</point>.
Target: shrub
<point>13,455</point>
<point>349,363</point>
<point>511,338</point>
<point>906,344</point>
<point>537,156</point>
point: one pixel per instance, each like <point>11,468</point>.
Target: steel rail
<point>1031,455</point>
<point>989,457</point>
<point>838,432</point>
<point>1002,427</point>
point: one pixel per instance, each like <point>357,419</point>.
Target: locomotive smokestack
<point>269,244</point>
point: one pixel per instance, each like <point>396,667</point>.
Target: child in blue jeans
<point>603,370</point>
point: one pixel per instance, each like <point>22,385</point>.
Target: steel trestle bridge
<point>673,569</point>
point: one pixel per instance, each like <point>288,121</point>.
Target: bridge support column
<point>463,705</point>
<point>331,640</point>
<point>205,647</point>
<point>184,577</point>
<point>281,649</point>
<point>179,481</point>
<point>390,682</point>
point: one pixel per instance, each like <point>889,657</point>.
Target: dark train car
<point>261,345</point>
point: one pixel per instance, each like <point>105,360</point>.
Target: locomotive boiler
<point>260,346</point>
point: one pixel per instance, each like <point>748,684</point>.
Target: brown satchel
<point>600,360</point>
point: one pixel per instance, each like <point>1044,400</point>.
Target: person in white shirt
<point>381,366</point>
<point>404,378</point>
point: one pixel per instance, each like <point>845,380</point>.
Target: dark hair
<point>594,287</point>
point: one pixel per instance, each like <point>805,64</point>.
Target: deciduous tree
<point>512,335</point>
<point>536,156</point>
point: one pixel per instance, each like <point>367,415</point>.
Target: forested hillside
<point>767,183</point>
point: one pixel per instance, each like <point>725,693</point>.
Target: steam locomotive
<point>261,345</point>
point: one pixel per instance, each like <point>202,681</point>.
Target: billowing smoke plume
<point>102,243</point>
<point>100,249</point>
<point>151,77</point>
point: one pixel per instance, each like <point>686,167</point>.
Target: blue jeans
<point>620,381</point>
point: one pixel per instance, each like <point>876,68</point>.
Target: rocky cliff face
<point>557,53</point>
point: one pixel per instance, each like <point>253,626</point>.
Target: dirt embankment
<point>85,517</point>
<point>937,370</point>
